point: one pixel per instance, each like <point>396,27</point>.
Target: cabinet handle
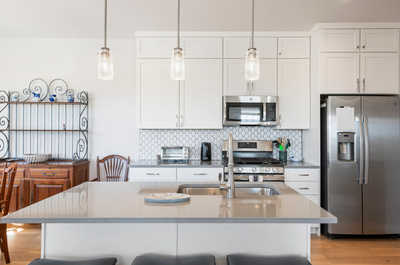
<point>358,47</point>
<point>364,46</point>
<point>304,188</point>
<point>48,174</point>
<point>304,175</point>
<point>363,84</point>
<point>152,174</point>
<point>199,174</point>
<point>358,85</point>
<point>279,53</point>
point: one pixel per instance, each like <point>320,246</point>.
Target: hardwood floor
<point>25,246</point>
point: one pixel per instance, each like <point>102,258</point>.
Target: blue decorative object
<point>36,96</point>
<point>53,98</point>
<point>70,98</point>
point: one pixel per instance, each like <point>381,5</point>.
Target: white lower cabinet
<point>188,175</point>
<point>306,181</point>
<point>173,174</point>
<point>151,174</point>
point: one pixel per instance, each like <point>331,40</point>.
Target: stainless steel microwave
<point>250,110</point>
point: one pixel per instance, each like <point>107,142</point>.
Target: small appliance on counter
<point>205,151</point>
<point>174,154</point>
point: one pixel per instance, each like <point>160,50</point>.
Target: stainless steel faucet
<point>231,181</point>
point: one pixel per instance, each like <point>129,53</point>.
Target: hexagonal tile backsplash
<point>151,141</point>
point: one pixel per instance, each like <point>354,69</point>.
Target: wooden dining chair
<point>7,186</point>
<point>113,168</point>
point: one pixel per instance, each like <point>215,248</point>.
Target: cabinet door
<point>340,40</point>
<point>44,188</point>
<point>236,85</point>
<point>159,95</point>
<point>379,40</point>
<point>236,47</point>
<point>293,48</point>
<point>201,95</point>
<point>192,175</point>
<point>339,73</point>
<point>152,174</point>
<point>380,73</point>
<point>294,93</point>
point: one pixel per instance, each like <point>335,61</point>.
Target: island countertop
<point>97,202</point>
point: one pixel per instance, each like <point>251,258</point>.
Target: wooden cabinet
<point>236,85</point>
<point>193,175</point>
<point>294,93</point>
<point>201,95</point>
<point>236,47</point>
<point>379,40</point>
<point>339,73</point>
<point>379,73</point>
<point>159,95</point>
<point>290,48</point>
<point>43,188</point>
<point>362,61</point>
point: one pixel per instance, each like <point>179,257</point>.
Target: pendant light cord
<point>105,23</point>
<point>179,23</point>
<point>252,24</point>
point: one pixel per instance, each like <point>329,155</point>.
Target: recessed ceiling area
<point>84,18</point>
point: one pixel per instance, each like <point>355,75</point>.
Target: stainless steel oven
<point>251,110</point>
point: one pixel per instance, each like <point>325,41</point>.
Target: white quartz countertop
<point>97,202</point>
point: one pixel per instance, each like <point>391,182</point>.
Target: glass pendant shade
<point>177,65</point>
<point>105,66</point>
<point>252,65</point>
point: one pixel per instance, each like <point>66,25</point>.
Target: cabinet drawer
<point>152,174</point>
<point>49,173</point>
<point>305,188</point>
<point>293,48</point>
<point>307,174</point>
<point>198,174</point>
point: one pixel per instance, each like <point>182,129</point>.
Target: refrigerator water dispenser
<point>345,146</point>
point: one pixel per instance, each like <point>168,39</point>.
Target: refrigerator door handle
<point>361,177</point>
<point>366,173</point>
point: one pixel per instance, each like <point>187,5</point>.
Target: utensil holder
<point>283,156</point>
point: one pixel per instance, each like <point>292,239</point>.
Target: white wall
<point>112,104</point>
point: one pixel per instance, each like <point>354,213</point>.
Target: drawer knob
<point>200,174</point>
<point>304,188</point>
<point>152,174</point>
<point>304,175</point>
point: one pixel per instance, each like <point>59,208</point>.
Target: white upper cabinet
<point>379,40</point>
<point>340,40</point>
<point>293,47</point>
<point>155,47</point>
<point>294,93</point>
<point>380,73</point>
<point>159,95</point>
<point>236,85</point>
<point>339,73</point>
<point>236,47</point>
<point>194,47</point>
<point>201,95</point>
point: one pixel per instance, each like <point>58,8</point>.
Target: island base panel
<point>127,240</point>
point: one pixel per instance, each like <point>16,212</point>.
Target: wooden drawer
<point>303,174</point>
<point>152,174</point>
<point>305,188</point>
<point>58,173</point>
<point>199,174</point>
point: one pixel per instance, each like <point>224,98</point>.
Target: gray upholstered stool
<point>242,259</point>
<point>104,261</point>
<point>156,259</point>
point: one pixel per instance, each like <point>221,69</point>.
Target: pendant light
<point>252,63</point>
<point>177,59</point>
<point>105,66</point>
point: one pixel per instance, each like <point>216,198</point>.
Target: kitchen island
<point>112,219</point>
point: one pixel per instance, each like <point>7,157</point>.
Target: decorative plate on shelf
<point>166,198</point>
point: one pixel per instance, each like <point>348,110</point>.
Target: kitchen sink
<point>242,190</point>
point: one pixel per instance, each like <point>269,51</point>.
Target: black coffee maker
<point>205,151</point>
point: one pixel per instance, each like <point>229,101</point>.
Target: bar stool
<point>103,261</point>
<point>243,259</point>
<point>157,259</point>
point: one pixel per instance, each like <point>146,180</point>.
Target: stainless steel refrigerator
<point>361,164</point>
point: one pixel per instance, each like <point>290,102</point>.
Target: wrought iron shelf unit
<point>31,122</point>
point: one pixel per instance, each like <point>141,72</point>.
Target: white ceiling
<point>84,18</point>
